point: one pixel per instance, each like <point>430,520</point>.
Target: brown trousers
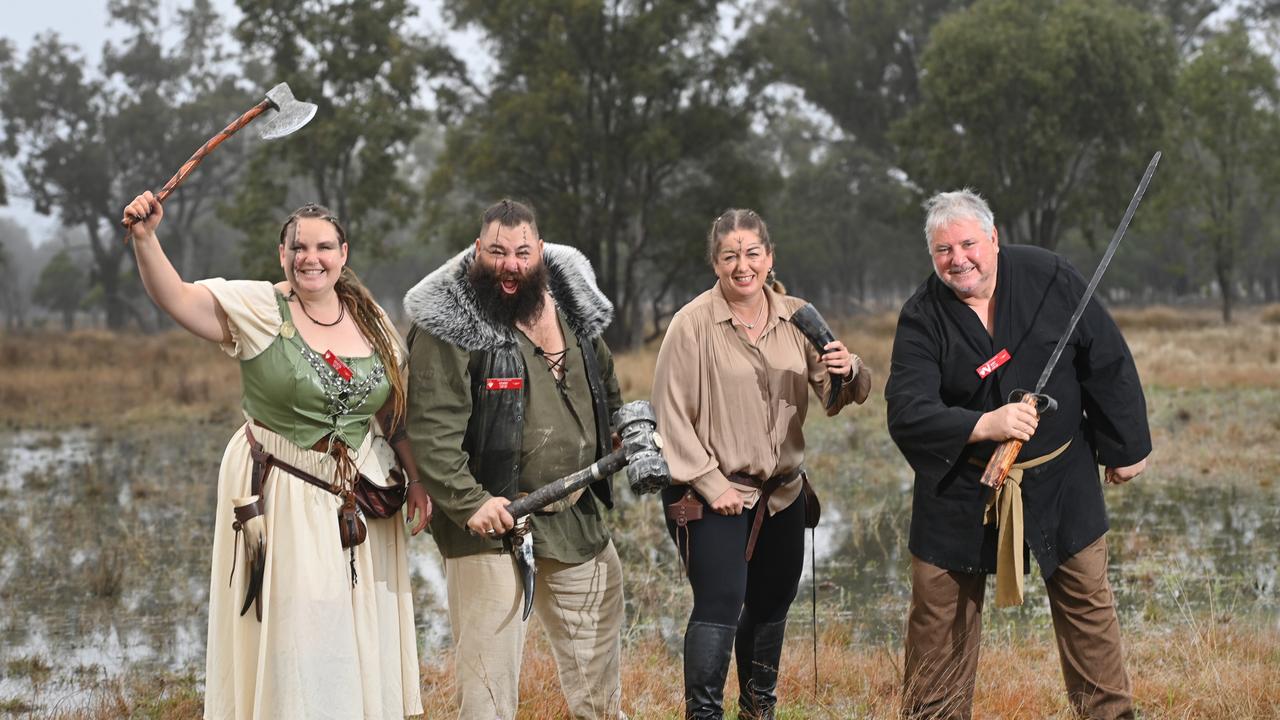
<point>944,632</point>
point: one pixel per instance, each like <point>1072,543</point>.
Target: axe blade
<point>287,114</point>
<point>814,327</point>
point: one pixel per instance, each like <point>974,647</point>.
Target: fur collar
<point>444,304</point>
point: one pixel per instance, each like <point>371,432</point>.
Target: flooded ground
<point>105,546</point>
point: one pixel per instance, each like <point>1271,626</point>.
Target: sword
<point>1002,459</point>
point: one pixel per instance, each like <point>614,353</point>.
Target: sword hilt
<point>1003,458</point>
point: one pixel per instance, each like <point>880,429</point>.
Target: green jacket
<point>466,417</point>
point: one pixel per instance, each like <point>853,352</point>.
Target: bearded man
<point>511,387</point>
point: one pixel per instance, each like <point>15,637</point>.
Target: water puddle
<point>104,558</point>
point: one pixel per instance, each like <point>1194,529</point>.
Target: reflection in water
<point>1178,547</point>
<point>105,548</point>
<point>106,569</point>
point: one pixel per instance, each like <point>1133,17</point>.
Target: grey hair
<point>947,207</point>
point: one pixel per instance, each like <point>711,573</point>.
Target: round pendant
<point>287,330</point>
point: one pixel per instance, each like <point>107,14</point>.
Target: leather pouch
<point>812,508</point>
<point>685,510</point>
<point>377,500</point>
<point>351,527</point>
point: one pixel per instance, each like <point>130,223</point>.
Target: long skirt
<point>330,645</point>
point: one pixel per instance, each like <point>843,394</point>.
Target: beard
<point>521,307</point>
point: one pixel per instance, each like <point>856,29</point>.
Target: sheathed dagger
<point>1003,458</point>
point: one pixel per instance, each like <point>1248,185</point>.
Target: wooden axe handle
<point>1002,459</point>
<point>199,155</point>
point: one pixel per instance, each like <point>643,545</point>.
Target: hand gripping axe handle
<point>285,115</point>
<point>640,454</point>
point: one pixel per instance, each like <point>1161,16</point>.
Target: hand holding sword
<point>1014,423</point>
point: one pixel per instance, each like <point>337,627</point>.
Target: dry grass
<point>1185,672</point>
<point>1213,394</point>
<point>92,377</point>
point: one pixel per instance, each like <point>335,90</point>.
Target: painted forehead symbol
<point>497,233</point>
<point>741,239</point>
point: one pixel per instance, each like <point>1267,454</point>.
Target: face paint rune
<point>742,263</point>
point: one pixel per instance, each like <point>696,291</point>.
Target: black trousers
<point>728,590</point>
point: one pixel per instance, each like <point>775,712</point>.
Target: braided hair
<point>359,302</point>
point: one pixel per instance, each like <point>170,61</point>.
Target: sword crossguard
<point>1045,405</point>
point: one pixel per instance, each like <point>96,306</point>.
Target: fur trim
<point>444,303</point>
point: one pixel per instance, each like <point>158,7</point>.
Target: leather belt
<point>322,445</point>
<point>263,461</point>
<point>766,488</point>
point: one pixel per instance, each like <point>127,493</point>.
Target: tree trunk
<point>1224,282</point>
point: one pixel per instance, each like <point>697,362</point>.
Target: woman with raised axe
<point>331,631</point>
<point>731,393</point>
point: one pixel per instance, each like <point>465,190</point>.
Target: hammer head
<point>287,114</point>
<point>647,470</point>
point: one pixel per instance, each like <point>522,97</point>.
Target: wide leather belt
<point>322,445</point>
<point>766,488</point>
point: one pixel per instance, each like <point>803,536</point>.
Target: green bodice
<point>291,389</point>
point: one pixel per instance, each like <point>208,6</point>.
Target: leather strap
<point>263,461</point>
<point>762,505</point>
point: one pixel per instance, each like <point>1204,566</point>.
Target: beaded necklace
<point>343,396</point>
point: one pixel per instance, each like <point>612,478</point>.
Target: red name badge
<point>338,366</point>
<point>990,366</point>
<point>504,383</point>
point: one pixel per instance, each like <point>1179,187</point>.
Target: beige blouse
<point>725,405</point>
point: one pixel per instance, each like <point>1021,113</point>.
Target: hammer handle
<point>200,154</point>
<point>1002,459</point>
<point>562,488</point>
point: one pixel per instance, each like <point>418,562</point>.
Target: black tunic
<point>935,398</point>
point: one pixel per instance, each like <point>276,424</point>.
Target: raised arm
<point>192,306</point>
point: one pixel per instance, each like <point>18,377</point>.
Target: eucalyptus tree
<point>1049,108</point>
<point>624,123</point>
<point>365,67</point>
<point>61,287</point>
<point>87,139</point>
<point>1227,132</point>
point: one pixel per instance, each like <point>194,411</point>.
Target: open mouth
<point>744,280</point>
<point>510,286</point>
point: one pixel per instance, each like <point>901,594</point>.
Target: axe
<point>284,114</point>
<point>811,323</point>
<point>640,454</point>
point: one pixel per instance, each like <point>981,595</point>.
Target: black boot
<point>758,680</point>
<point>706,662</point>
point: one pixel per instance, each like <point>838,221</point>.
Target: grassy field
<point>1214,404</point>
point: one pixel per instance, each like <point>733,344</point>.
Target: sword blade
<point>1097,274</point>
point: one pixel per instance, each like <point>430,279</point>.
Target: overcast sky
<point>85,23</point>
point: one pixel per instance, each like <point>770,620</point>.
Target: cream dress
<point>325,648</point>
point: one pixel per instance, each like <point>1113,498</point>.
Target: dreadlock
<point>359,302</point>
